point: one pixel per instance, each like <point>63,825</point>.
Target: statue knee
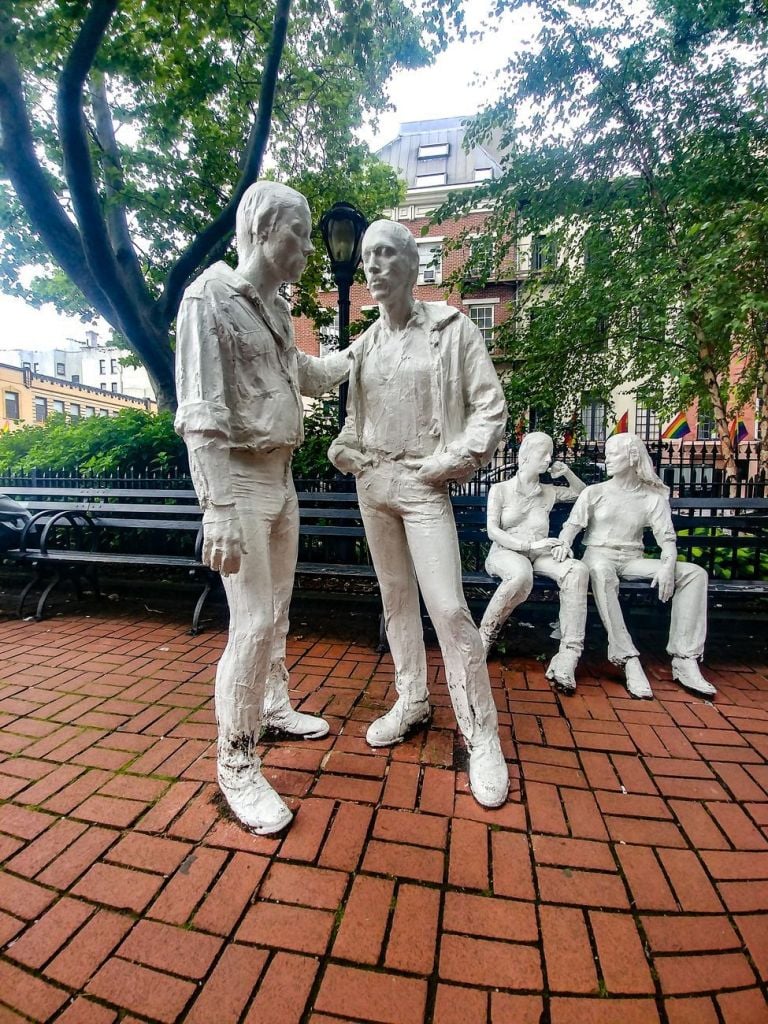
<point>576,578</point>
<point>604,575</point>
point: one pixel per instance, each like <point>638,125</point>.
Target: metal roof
<point>459,166</point>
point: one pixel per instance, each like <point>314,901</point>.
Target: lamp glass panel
<point>341,236</point>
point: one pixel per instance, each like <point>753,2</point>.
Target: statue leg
<point>572,578</point>
<point>433,542</point>
<point>605,567</point>
<point>387,543</point>
<point>283,549</point>
<point>516,583</point>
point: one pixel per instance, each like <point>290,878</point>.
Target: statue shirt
<point>616,518</point>
<point>527,515</point>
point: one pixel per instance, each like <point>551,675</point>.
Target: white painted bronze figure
<point>614,515</point>
<point>518,525</point>
<point>425,407</point>
<point>239,380</point>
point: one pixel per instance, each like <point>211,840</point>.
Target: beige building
<point>30,398</point>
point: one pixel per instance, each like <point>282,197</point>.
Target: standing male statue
<point>425,407</point>
<point>240,379</point>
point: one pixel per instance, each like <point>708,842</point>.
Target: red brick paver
<point>626,880</point>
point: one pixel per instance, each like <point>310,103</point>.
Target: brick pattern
<point>625,879</point>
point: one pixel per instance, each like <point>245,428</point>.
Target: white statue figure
<point>425,407</point>
<point>614,515</point>
<point>518,524</point>
<point>239,380</point>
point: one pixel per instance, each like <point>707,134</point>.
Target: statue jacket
<point>239,374</point>
<point>467,397</point>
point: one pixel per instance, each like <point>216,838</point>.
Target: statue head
<point>390,260</point>
<point>627,452</point>
<point>276,218</point>
<point>536,446</point>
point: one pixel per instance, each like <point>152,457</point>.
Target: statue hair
<point>641,460</point>
<point>263,203</point>
<point>402,237</point>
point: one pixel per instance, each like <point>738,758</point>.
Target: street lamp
<point>342,228</point>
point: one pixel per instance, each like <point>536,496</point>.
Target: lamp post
<point>342,228</point>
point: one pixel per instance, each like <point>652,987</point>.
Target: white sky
<point>451,87</point>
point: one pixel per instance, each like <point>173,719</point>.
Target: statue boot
<point>488,772</point>
<point>278,713</point>
<point>561,670</point>
<point>410,710</point>
<point>250,797</point>
<point>637,681</point>
<point>686,672</point>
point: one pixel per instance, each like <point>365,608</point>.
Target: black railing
<point>689,468</point>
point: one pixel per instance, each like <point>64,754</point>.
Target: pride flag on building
<point>622,425</point>
<point>738,431</point>
<point>677,429</point>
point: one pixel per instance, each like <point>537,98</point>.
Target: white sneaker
<point>285,719</point>
<point>686,672</point>
<point>252,800</point>
<point>637,681</point>
<point>488,773</point>
<point>561,670</point>
<point>393,727</point>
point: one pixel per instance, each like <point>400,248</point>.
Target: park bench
<point>71,532</point>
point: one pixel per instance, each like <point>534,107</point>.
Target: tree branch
<point>116,220</point>
<point>224,224</point>
<point>18,157</point>
<point>78,168</point>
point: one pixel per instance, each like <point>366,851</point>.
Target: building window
<point>103,385</point>
<point>543,253</point>
<point>482,317</point>
<point>483,173</point>
<point>706,430</point>
<point>329,336</point>
<point>89,411</point>
<point>435,150</point>
<point>75,378</point>
<point>114,385</point>
<point>58,406</point>
<point>481,257</point>
<point>74,411</point>
<point>11,405</point>
<point>35,367</point>
<point>102,366</point>
<point>41,409</point>
<point>103,412</point>
<point>26,366</point>
<point>61,370</point>
<point>593,418</point>
<point>647,423</point>
<point>113,366</point>
<point>430,262</point>
<point>431,180</point>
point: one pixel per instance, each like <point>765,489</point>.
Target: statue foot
<point>252,800</point>
<point>637,681</point>
<point>488,773</point>
<point>285,719</point>
<point>561,669</point>
<point>686,672</point>
<point>393,727</point>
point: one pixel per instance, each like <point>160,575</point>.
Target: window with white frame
<point>593,412</point>
<point>646,423</point>
<point>431,180</point>
<point>482,317</point>
<point>481,257</point>
<point>543,253</point>
<point>11,405</point>
<point>41,409</point>
<point>329,336</point>
<point>483,173</point>
<point>430,262</point>
<point>438,149</point>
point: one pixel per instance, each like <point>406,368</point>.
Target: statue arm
<point>575,485</point>
<point>576,522</point>
<point>318,375</point>
<point>664,533</point>
<point>494,529</point>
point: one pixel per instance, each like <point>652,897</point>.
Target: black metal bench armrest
<point>72,517</point>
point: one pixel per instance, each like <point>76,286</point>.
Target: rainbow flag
<point>676,429</point>
<point>622,425</point>
<point>737,431</point>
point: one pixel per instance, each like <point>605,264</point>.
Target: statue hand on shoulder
<point>223,545</point>
<point>664,580</point>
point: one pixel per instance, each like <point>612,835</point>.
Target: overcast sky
<point>449,88</point>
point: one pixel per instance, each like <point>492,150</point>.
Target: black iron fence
<point>689,468</point>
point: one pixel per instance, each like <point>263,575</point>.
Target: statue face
<point>386,265</point>
<point>617,458</point>
<point>539,456</point>
<point>288,244</point>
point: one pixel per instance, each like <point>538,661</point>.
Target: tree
<point>131,128</point>
<point>641,163</point>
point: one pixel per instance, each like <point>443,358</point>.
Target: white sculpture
<point>239,382</point>
<point>425,407</point>
<point>518,525</point>
<point>614,515</point>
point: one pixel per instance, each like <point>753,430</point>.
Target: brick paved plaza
<point>626,881</point>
